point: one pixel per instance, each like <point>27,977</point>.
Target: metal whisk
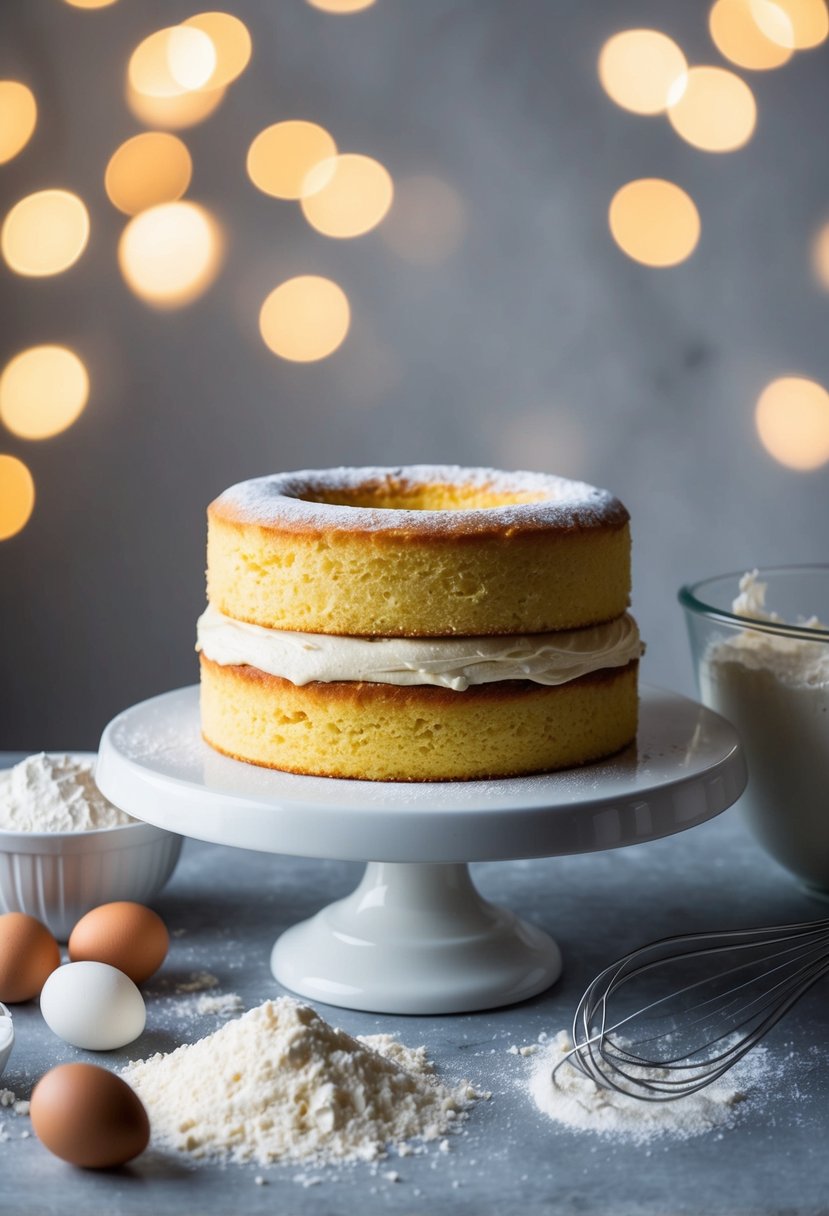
<point>673,1016</point>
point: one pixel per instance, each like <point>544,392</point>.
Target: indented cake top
<point>438,499</point>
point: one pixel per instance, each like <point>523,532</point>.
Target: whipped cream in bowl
<point>760,643</point>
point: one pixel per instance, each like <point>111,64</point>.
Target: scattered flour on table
<point>199,981</point>
<point>221,1004</point>
<point>11,1104</point>
<point>10,1100</point>
<point>279,1083</point>
<point>55,794</point>
<point>575,1101</point>
<point>183,999</point>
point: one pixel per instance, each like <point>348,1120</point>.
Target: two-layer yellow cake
<point>418,624</point>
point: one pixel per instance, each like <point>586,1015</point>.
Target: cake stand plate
<point>416,936</point>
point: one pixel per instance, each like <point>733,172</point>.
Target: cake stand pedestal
<point>416,936</point>
<point>416,939</point>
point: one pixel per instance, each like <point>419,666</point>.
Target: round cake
<point>418,624</point>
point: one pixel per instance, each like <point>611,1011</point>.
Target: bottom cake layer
<point>383,732</point>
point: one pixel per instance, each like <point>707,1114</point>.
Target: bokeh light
<point>305,319</point>
<point>714,110</point>
<point>341,6</point>
<point>737,36</point>
<point>797,24</point>
<point>637,69</point>
<point>654,222</point>
<point>191,57</point>
<point>174,113</point>
<point>347,195</point>
<point>282,156</point>
<point>17,496</point>
<point>231,43</point>
<point>45,233</point>
<point>151,168</point>
<point>175,60</point>
<point>90,3</point>
<point>427,220</point>
<point>18,116</point>
<point>42,391</point>
<point>170,254</point>
<point>792,418</point>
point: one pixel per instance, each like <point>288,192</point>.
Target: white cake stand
<point>416,936</point>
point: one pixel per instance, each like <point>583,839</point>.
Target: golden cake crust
<point>385,732</point>
<point>419,551</point>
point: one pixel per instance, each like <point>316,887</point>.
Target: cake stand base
<point>416,939</point>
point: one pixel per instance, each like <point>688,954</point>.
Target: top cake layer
<point>434,500</point>
<point>418,551</point>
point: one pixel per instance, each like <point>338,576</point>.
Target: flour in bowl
<point>774,688</point>
<point>55,793</point>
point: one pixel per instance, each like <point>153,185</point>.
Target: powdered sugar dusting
<point>157,740</point>
<point>282,500</point>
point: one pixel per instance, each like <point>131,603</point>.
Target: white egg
<point>93,1005</point>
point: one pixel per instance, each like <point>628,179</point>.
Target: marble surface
<point>225,908</point>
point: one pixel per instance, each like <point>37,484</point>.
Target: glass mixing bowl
<point>770,678</point>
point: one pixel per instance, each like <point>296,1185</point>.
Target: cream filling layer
<point>456,663</point>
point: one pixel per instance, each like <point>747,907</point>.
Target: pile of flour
<point>577,1102</point>
<point>54,794</point>
<point>281,1084</point>
<point>794,661</point>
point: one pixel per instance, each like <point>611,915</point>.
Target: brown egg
<point>28,956</point>
<point>88,1116</point>
<point>127,936</point>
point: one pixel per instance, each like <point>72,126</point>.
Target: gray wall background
<point>537,344</point>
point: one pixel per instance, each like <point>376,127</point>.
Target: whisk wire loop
<point>691,1035</point>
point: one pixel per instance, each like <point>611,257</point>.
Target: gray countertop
<point>225,907</point>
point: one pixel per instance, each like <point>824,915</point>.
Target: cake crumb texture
<point>372,585</point>
<point>383,732</point>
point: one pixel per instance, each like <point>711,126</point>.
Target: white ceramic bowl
<point>59,876</point>
<point>6,1037</point>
